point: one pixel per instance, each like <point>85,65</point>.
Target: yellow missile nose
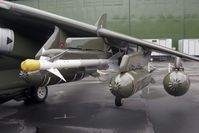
<point>30,65</point>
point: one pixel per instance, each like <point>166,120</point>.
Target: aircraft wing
<point>15,12</point>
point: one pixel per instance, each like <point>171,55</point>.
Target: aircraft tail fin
<point>101,22</point>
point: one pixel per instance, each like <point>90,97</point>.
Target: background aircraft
<point>72,50</point>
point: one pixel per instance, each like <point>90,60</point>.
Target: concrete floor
<point>87,106</point>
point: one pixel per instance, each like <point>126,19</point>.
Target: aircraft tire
<point>37,95</point>
<point>118,101</point>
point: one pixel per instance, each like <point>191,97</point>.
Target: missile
<point>31,65</point>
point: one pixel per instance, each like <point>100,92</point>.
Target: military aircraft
<point>53,49</point>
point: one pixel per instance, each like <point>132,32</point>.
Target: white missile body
<point>58,64</point>
<point>31,65</point>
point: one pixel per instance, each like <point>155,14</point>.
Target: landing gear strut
<point>118,101</point>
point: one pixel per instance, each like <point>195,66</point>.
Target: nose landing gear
<point>37,94</point>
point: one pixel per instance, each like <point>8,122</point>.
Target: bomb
<point>176,83</point>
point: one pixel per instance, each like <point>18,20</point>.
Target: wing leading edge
<point>75,27</point>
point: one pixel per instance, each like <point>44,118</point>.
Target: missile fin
<point>57,73</point>
<point>43,58</point>
<point>58,56</point>
<point>43,50</point>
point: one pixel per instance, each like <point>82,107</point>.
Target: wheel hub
<point>41,92</point>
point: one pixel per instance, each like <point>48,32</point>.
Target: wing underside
<point>15,13</point>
